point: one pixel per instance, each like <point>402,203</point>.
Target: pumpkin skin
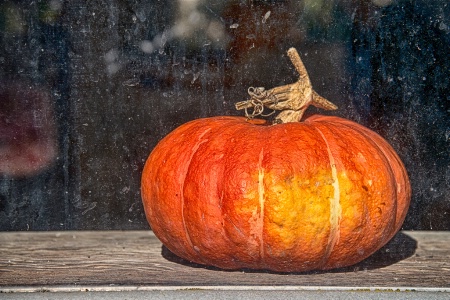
<point>320,194</point>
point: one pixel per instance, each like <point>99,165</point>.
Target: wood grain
<point>137,258</point>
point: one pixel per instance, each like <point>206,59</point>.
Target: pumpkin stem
<point>292,99</point>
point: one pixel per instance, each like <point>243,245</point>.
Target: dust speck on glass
<point>87,89</point>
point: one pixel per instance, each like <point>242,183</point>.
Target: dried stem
<point>292,99</point>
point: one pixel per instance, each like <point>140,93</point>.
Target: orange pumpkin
<point>235,193</point>
<point>231,193</point>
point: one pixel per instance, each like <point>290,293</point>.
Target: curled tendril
<point>258,96</point>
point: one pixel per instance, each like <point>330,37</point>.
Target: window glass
<point>87,89</point>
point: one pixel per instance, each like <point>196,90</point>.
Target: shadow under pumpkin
<point>400,247</point>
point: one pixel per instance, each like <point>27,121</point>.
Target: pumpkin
<point>234,193</point>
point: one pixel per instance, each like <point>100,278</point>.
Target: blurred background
<point>87,89</point>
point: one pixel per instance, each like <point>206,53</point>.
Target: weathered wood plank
<point>137,258</point>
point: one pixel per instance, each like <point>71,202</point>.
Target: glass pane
<point>87,89</point>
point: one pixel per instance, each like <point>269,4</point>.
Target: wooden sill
<point>136,260</point>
